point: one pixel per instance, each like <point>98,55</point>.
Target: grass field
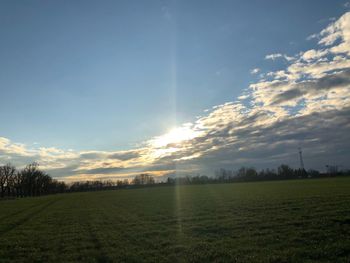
<point>285,221</point>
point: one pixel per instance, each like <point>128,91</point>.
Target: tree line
<point>32,181</point>
<point>137,181</point>
<point>248,174</point>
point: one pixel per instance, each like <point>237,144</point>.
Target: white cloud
<point>314,54</point>
<point>273,56</point>
<point>338,30</point>
<point>313,36</point>
<point>6,146</point>
<point>255,71</point>
<point>279,55</point>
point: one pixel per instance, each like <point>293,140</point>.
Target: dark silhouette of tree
<point>285,172</point>
<point>18,184</point>
<point>30,181</point>
<point>7,173</point>
<point>200,179</point>
<point>143,179</point>
<point>300,173</point>
<point>313,173</point>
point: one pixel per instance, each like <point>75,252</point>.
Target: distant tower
<point>301,159</point>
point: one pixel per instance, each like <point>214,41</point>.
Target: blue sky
<point>112,75</point>
<point>107,75</point>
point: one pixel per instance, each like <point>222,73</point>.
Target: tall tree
<point>7,173</point>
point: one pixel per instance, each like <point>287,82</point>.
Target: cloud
<point>255,71</point>
<point>278,55</point>
<point>125,155</point>
<point>338,30</point>
<point>101,170</point>
<point>314,54</point>
<point>273,56</point>
<point>306,103</point>
<point>7,147</point>
<point>331,81</point>
<point>313,36</point>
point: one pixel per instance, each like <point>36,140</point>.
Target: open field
<point>285,221</point>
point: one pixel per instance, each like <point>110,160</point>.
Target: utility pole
<point>301,159</point>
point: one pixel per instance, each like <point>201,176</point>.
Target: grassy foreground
<point>286,221</point>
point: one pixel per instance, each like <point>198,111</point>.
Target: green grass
<point>286,221</point>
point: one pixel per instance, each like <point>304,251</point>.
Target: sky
<point>109,89</point>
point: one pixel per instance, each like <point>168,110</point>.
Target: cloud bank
<point>306,103</point>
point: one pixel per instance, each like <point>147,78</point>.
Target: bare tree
<point>3,180</point>
<point>143,179</point>
<point>7,173</point>
<point>18,184</point>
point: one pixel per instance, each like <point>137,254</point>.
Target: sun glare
<point>175,135</point>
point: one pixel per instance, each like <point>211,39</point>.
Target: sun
<point>174,136</point>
